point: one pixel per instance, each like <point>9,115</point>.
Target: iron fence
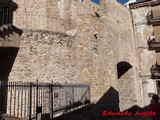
<point>33,100</point>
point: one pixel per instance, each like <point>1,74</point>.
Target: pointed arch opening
<point>122,68</point>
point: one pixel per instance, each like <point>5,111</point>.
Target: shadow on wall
<point>7,57</point>
<point>7,54</point>
<point>109,102</point>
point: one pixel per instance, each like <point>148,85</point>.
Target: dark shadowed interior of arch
<point>122,68</point>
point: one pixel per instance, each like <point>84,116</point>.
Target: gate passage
<point>33,100</point>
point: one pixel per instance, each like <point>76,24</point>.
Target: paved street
<point>80,117</point>
<point>91,113</point>
<point>133,118</point>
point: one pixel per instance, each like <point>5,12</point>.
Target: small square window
<point>55,95</point>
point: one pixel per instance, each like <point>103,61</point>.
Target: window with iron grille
<point>5,16</point>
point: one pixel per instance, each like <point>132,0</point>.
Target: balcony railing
<point>153,19</point>
<point>155,72</point>
<point>154,42</point>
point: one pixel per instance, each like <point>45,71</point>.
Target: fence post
<point>73,95</point>
<point>51,88</point>
<point>30,106</point>
<point>37,102</point>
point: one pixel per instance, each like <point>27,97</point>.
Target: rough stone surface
<point>46,56</point>
<point>88,56</point>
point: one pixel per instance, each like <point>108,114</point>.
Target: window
<point>55,95</point>
<point>5,16</point>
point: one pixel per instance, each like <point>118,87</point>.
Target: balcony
<point>155,72</point>
<point>153,19</point>
<point>154,43</point>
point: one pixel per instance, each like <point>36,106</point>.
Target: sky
<point>123,1</point>
<point>96,1</point>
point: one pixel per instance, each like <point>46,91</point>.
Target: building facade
<point>146,28</point>
<point>79,41</point>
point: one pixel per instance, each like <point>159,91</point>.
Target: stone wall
<point>89,4</point>
<point>47,56</point>
<point>49,15</point>
<point>88,51</point>
<point>121,46</point>
<point>42,15</point>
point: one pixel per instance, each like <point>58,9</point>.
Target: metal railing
<point>32,100</point>
<point>149,15</point>
<point>153,14</point>
<point>155,71</point>
<point>154,42</point>
<point>153,18</point>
